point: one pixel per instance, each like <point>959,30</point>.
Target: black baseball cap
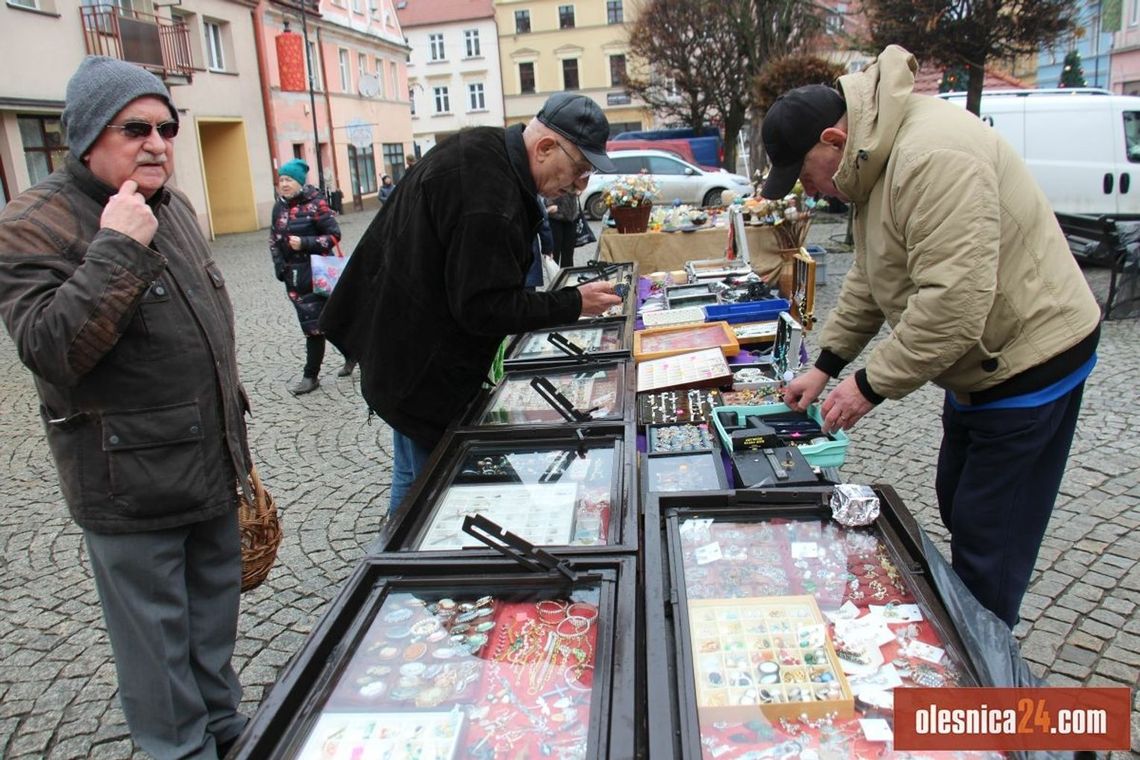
<point>792,127</point>
<point>581,121</point>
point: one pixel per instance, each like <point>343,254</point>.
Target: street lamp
<point>310,59</point>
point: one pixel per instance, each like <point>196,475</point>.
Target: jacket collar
<point>877,99</point>
<point>516,152</point>
<point>520,165</point>
<point>100,191</point>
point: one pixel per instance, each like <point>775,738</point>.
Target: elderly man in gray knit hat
<point>115,304</point>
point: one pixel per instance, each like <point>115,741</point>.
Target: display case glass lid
<point>791,630</point>
<point>588,338</point>
<point>546,493</point>
<point>597,392</point>
<point>460,660</point>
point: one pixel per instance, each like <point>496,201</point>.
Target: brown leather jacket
<point>132,350</point>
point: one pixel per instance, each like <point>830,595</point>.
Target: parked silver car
<point>676,179</point>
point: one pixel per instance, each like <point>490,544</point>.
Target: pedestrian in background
<point>436,282</point>
<point>115,304</point>
<point>563,212</point>
<point>957,249</point>
<point>386,188</point>
<point>302,225</point>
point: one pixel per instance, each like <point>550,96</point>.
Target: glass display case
<point>595,392</point>
<point>773,631</point>
<point>560,490</point>
<point>681,457</point>
<point>598,340</point>
<point>622,274</point>
<point>449,659</point>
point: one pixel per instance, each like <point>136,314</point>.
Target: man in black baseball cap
<point>581,121</point>
<point>796,124</point>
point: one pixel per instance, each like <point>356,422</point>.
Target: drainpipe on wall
<point>266,95</point>
<point>328,113</point>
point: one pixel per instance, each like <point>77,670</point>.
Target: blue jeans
<point>998,475</point>
<point>408,460</point>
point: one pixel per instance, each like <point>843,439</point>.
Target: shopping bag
<point>585,235</point>
<point>326,272</point>
<point>550,271</point>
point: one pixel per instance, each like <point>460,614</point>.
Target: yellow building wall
<point>591,41</point>
<point>228,181</point>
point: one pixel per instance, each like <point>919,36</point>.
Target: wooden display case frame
<point>673,721</point>
<point>405,529</point>
<point>294,702</point>
<point>726,341</point>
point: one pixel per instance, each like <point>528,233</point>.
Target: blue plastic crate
<point>749,311</point>
<point>829,454</point>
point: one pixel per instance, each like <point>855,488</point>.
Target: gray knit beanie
<point>98,90</point>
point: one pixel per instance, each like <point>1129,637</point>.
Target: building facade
<point>1124,75</point>
<point>354,125</point>
<point>1093,43</point>
<point>206,55</point>
<point>549,46</point>
<point>453,67</point>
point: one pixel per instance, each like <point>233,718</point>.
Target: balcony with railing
<point>155,43</point>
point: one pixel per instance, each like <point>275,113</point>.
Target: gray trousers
<point>170,601</point>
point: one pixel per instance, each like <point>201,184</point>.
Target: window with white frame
<point>395,78</point>
<point>380,78</point>
<point>476,98</point>
<point>357,6</point>
<point>442,100</point>
<point>412,99</point>
<point>471,40</point>
<point>361,64</point>
<point>566,17</point>
<point>1135,15</point>
<point>215,52</point>
<point>522,22</point>
<point>314,64</point>
<point>345,74</point>
<point>615,14</point>
<point>25,4</point>
<point>435,42</point>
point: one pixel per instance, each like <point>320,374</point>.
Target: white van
<point>1082,145</point>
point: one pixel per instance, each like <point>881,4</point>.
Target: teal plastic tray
<point>829,454</point>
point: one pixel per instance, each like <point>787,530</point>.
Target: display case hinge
<point>517,548</point>
<point>559,402</point>
<point>565,345</point>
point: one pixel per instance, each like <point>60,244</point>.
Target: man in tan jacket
<point>957,250</point>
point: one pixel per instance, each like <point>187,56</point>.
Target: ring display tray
<point>768,652</point>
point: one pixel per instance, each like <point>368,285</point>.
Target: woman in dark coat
<point>303,224</point>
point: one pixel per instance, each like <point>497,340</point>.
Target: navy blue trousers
<point>998,475</point>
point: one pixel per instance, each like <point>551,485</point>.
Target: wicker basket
<point>260,533</point>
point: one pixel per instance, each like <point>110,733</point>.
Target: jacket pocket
<point>155,460</point>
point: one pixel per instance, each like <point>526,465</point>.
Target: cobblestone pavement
<point>330,471</point>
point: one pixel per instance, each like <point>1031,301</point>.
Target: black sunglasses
<point>136,130</point>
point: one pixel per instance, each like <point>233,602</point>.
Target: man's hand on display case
<point>844,406</point>
<point>803,390</point>
<point>597,296</point>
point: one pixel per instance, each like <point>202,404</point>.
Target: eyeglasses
<point>136,130</point>
<point>581,169</point>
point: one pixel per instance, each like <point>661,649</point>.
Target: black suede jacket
<point>436,282</point>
